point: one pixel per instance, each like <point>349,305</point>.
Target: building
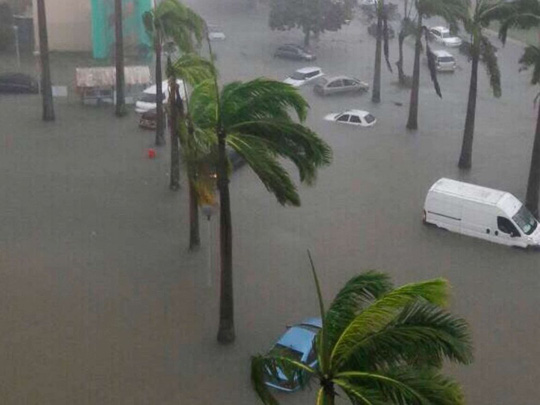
<point>88,25</point>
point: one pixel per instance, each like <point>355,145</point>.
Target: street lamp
<point>17,51</point>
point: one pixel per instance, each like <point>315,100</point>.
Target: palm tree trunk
<point>46,86</point>
<point>399,63</point>
<point>176,112</point>
<point>119,56</point>
<point>376,93</point>
<point>533,184</point>
<point>226,308</point>
<point>412,122</point>
<point>306,36</point>
<point>160,138</point>
<point>194,234</point>
<point>465,158</point>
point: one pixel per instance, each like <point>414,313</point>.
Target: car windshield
<point>369,118</point>
<point>284,351</point>
<point>298,76</point>
<point>446,34</point>
<point>446,59</point>
<point>525,220</point>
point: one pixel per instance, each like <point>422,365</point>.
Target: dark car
<point>372,30</point>
<point>291,51</point>
<point>148,119</point>
<point>465,49</point>
<point>18,83</point>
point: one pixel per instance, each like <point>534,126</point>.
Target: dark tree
<point>311,16</point>
<point>46,86</point>
<point>120,110</point>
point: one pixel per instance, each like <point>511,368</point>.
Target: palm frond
<point>148,23</point>
<point>452,11</point>
<point>422,334</point>
<point>531,57</point>
<point>409,385</point>
<point>258,375</point>
<point>261,97</point>
<point>492,66</point>
<point>383,311</point>
<point>193,69</point>
<point>292,141</point>
<point>360,395</point>
<point>357,294</point>
<point>432,66</point>
<point>522,14</point>
<point>181,24</point>
<point>263,162</point>
<point>321,345</point>
<point>385,44</point>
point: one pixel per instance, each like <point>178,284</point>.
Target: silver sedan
<point>339,85</point>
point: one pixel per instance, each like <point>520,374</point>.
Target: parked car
<point>147,100</point>
<point>444,61</point>
<point>215,33</point>
<point>340,85</point>
<point>372,30</point>
<point>443,36</point>
<point>481,212</point>
<point>296,52</point>
<point>296,343</point>
<point>353,117</point>
<point>148,119</point>
<point>303,76</point>
<point>18,83</point>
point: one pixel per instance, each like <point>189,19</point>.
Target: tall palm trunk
<point>533,184</point>
<point>226,308</point>
<point>160,138</point>
<point>176,116</point>
<point>412,122</point>
<point>399,63</point>
<point>46,86</point>
<point>119,56</point>
<point>194,234</point>
<point>376,94</point>
<point>465,158</point>
<point>306,36</point>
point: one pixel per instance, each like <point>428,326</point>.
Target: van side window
<point>506,226</point>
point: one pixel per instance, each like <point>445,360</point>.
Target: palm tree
<point>379,345</point>
<point>46,86</point>
<point>484,12</point>
<point>254,119</point>
<point>382,36</point>
<point>120,110</point>
<point>195,145</point>
<point>170,20</point>
<point>407,28</point>
<point>526,14</point>
<point>451,11</point>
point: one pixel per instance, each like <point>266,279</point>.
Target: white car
<point>303,76</point>
<point>442,35</point>
<point>148,100</point>
<point>215,33</point>
<point>353,117</point>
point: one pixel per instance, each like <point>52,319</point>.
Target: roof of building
<point>106,76</point>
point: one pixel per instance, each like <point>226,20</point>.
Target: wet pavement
<point>102,303</point>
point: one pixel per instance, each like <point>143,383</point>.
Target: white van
<point>444,61</point>
<point>148,100</point>
<point>482,212</point>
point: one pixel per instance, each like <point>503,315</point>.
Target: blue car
<point>296,343</point>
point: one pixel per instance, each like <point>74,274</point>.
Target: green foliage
<point>521,14</point>
<point>256,116</point>
<point>531,57</point>
<point>173,20</point>
<point>382,345</point>
<point>452,11</point>
<point>314,16</point>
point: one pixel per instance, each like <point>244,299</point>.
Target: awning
<point>106,76</point>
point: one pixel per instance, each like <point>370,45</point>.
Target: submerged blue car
<point>296,343</point>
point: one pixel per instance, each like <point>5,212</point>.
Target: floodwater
<point>102,303</point>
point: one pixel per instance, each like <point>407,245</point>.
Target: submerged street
<point>103,304</point>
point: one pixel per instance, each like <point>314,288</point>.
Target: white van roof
<point>502,199</point>
<point>468,191</point>
<point>441,53</point>
<point>164,87</point>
